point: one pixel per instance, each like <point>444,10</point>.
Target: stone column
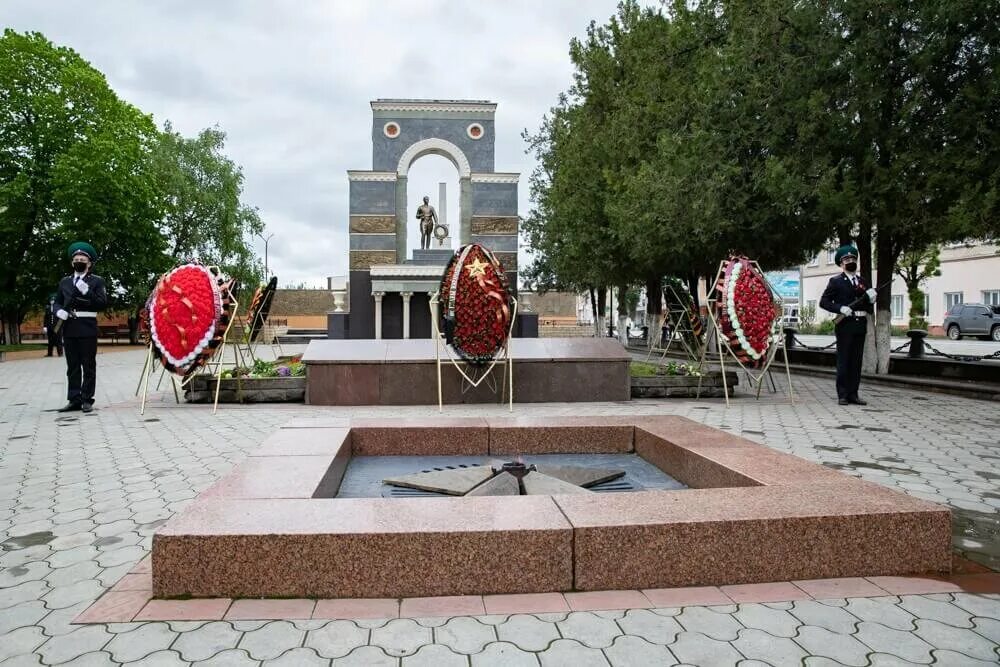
<point>464,211</point>
<point>378,313</point>
<point>406,312</point>
<point>401,220</point>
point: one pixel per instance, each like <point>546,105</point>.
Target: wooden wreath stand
<point>503,359</point>
<point>680,328</point>
<point>724,348</point>
<point>216,361</point>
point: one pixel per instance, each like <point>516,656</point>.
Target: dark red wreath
<point>189,312</point>
<point>475,304</point>
<point>746,310</point>
<point>260,306</point>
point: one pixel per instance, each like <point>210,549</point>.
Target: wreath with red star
<point>475,304</point>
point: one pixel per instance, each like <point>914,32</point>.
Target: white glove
<point>82,286</point>
<point>62,314</point>
<point>871,294</point>
<point>846,311</point>
<point>45,330</point>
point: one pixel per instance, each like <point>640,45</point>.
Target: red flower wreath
<point>475,304</point>
<point>746,310</point>
<point>188,315</point>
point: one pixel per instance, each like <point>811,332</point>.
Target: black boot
<point>72,406</point>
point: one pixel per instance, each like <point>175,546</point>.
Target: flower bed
<point>280,381</point>
<point>676,380</point>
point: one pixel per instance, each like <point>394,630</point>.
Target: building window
<point>927,304</point>
<point>991,297</point>
<point>897,306</point>
<point>811,305</point>
<point>952,299</point>
<point>814,261</point>
<point>830,255</point>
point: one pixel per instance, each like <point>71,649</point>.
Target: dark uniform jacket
<point>49,319</point>
<point>841,292</point>
<point>69,298</point>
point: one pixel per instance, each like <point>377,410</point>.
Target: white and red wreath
<point>746,310</point>
<point>189,312</point>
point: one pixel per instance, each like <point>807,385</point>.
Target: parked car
<point>973,319</point>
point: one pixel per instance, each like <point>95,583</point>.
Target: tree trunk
<point>864,243</point>
<point>133,328</point>
<point>602,302</point>
<point>885,256</point>
<point>623,315</point>
<point>12,326</point>
<point>593,310</point>
<point>654,300</point>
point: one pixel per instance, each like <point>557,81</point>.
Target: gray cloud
<point>290,82</point>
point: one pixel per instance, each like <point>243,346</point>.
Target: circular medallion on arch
<point>391,129</point>
<point>475,131</point>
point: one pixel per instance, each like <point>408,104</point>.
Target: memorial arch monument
<point>389,291</point>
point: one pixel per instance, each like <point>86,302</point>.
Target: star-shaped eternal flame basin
<point>507,479</point>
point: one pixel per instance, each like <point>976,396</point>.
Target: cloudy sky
<point>290,83</point>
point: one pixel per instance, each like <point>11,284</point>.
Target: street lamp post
<point>266,242</point>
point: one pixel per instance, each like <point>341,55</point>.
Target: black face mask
<point>79,267</point>
<point>851,266</point>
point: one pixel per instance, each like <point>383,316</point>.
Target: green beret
<point>843,251</point>
<point>82,247</point>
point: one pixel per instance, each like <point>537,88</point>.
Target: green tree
<point>914,267</point>
<point>73,165</point>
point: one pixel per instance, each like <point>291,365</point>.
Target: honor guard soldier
<point>52,332</point>
<point>80,297</point>
<point>847,297</point>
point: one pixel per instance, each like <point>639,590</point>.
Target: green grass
<point>640,369</point>
<point>21,347</point>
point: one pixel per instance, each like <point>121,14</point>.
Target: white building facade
<point>970,273</point>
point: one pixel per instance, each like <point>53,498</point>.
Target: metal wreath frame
<point>220,353</point>
<point>724,347</point>
<point>507,382</point>
<point>679,324</point>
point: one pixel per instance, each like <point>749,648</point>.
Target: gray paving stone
<point>709,622</point>
<point>65,576</point>
<point>26,592</point>
<point>569,652</point>
<point>960,640</point>
<point>905,645</point>
<point>401,636</point>
<point>29,572</point>
<point>298,657</point>
<point>248,626</point>
<point>835,619</point>
<point>843,649</point>
<point>204,642</point>
<point>337,639</point>
<point>435,655</point>
<point>271,640</point>
<point>654,628</point>
<point>21,616</point>
<point>147,638</point>
<point>20,641</point>
<point>60,621</point>
<point>630,650</point>
<point>70,556</point>
<point>777,622</point>
<point>160,659</point>
<point>884,611</point>
<point>95,659</point>
<point>948,658</point>
<point>698,649</point>
<point>464,635</point>
<point>84,639</point>
<point>230,658</point>
<point>61,597</point>
<point>589,629</point>
<point>886,660</point>
<point>759,645</point>
<point>527,632</point>
<point>26,660</point>
<point>366,656</point>
<point>986,606</point>
<point>937,610</point>
<point>503,654</point>
<point>987,627</point>
<point>431,621</point>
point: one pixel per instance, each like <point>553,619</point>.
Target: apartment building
<point>970,273</point>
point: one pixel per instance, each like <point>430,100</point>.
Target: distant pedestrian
<point>49,328</point>
<point>80,297</point>
<point>847,297</point>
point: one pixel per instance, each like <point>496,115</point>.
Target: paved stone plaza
<point>81,496</point>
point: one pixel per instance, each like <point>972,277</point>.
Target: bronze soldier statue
<point>428,218</point>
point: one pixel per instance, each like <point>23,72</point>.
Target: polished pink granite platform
<point>404,372</point>
<point>272,527</point>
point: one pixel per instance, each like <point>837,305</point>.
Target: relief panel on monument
<point>494,224</point>
<point>373,224</point>
<point>363,259</point>
<point>508,259</point>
